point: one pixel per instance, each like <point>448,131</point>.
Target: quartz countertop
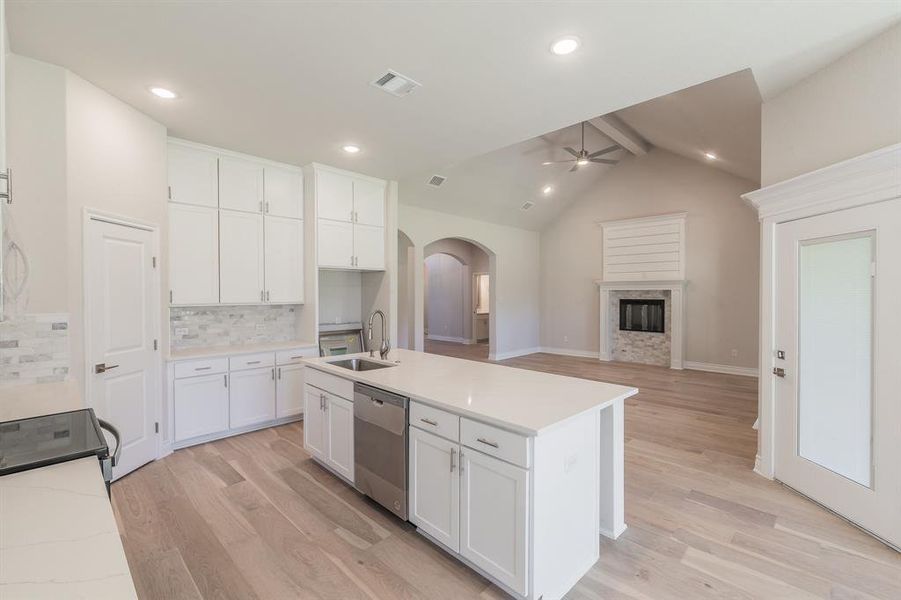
<point>520,400</point>
<point>215,351</point>
<point>58,534</point>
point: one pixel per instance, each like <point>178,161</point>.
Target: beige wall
<point>721,254</point>
<point>849,108</point>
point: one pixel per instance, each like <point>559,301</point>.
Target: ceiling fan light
<point>582,162</point>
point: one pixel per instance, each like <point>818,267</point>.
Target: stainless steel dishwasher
<point>380,447</point>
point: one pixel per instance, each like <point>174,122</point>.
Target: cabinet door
<point>284,260</point>
<point>435,487</point>
<point>252,397</point>
<point>283,192</point>
<point>241,256</point>
<point>336,244</point>
<point>240,185</point>
<point>314,422</point>
<point>369,247</point>
<point>369,202</point>
<point>193,254</point>
<point>493,528</point>
<point>334,196</point>
<point>339,435</point>
<point>200,406</point>
<point>289,397</point>
<point>193,176</point>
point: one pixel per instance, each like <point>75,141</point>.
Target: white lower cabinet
<point>434,493</point>
<point>493,510</point>
<point>289,391</point>
<point>314,422</point>
<point>252,397</point>
<point>200,406</point>
<point>328,428</point>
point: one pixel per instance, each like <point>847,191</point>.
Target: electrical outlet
<point>181,331</point>
<point>734,353</point>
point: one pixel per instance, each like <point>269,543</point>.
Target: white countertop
<point>214,351</point>
<point>58,534</point>
<point>517,399</point>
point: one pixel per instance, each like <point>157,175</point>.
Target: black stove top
<point>50,439</point>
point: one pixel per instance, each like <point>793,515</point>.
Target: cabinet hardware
<point>296,357</point>
<point>261,206</point>
<point>267,295</point>
<point>170,296</point>
<point>156,345</point>
<point>778,371</point>
<point>153,262</point>
<point>453,454</point>
<point>279,372</point>
<point>273,374</point>
<point>103,368</point>
<point>351,216</point>
<point>225,380</point>
<point>429,422</point>
<point>253,362</point>
<point>156,427</point>
<point>267,206</point>
<point>8,194</point>
<point>487,442</point>
<point>351,261</point>
<point>202,368</point>
<point>170,192</point>
<point>461,461</point>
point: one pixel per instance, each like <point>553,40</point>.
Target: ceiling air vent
<point>395,84</point>
<point>436,180</point>
<point>527,205</point>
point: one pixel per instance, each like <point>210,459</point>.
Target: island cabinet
<point>328,430</point>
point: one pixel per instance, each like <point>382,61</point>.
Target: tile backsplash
<point>34,349</point>
<point>192,327</point>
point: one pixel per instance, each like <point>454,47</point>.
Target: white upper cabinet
<point>284,260</point>
<point>240,185</point>
<point>334,196</point>
<point>336,244</point>
<point>193,254</point>
<point>369,247</point>
<point>283,192</point>
<point>241,255</point>
<point>369,202</point>
<point>193,176</point>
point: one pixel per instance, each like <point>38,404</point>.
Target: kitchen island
<point>514,472</point>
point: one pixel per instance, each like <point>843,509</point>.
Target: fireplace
<point>642,315</point>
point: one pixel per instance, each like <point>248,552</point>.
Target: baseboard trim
<point>758,468</point>
<point>613,534</point>
<point>513,353</point>
<point>569,352</point>
<point>716,368</point>
<point>448,338</point>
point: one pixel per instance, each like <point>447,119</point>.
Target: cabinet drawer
<point>436,421</point>
<point>251,361</point>
<point>295,355</point>
<point>488,439</point>
<point>203,366</point>
<point>329,383</point>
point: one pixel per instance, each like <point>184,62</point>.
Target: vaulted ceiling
<point>290,80</point>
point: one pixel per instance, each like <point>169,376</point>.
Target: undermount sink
<point>359,364</point>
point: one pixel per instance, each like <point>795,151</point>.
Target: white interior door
<point>121,296</point>
<point>838,410</point>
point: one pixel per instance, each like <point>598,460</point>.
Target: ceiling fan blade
<point>604,161</point>
<point>575,168</point>
<point>554,162</point>
<point>604,151</point>
<point>571,151</point>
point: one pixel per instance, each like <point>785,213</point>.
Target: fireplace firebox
<point>641,315</point>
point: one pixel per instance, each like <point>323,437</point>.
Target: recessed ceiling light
<point>710,155</point>
<point>547,190</point>
<point>546,163</point>
<point>351,148</point>
<point>161,92</point>
<point>565,45</point>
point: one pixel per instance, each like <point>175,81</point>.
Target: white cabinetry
<point>193,176</point>
<point>201,405</point>
<point>314,439</point>
<point>284,260</point>
<point>369,202</point>
<point>329,433</point>
<point>252,397</point>
<point>369,247</point>
<point>241,253</point>
<point>240,185</point>
<point>335,196</point>
<point>336,244</point>
<point>289,399</point>
<point>435,487</point>
<point>193,254</point>
<point>283,192</point>
<point>339,418</point>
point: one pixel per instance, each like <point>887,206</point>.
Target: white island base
<point>513,472</point>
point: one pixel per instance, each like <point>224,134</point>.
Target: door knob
<point>103,368</point>
<point>778,372</point>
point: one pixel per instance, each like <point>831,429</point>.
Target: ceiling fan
<point>582,157</point>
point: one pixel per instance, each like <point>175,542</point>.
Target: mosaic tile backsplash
<point>192,327</point>
<point>34,349</point>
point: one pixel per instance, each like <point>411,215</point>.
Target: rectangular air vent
<point>395,84</point>
<point>527,205</point>
<point>436,180</point>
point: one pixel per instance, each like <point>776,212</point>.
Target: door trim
<point>91,214</point>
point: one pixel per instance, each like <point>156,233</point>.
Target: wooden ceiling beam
<point>614,128</point>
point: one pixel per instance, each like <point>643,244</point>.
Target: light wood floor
<point>253,517</point>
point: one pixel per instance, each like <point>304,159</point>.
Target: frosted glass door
<point>835,356</point>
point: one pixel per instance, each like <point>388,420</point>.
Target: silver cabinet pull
<point>267,295</point>
<point>273,374</point>
<point>279,372</point>
<point>261,206</point>
<point>296,357</point>
<point>429,422</point>
<point>262,295</point>
<point>461,461</point>
<point>453,455</point>
<point>225,380</point>
<point>8,195</point>
<point>267,206</point>
<point>253,362</point>
<point>170,296</point>
<point>487,442</point>
<point>202,368</point>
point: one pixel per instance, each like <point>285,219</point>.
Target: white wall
<point>405,303</point>
<point>513,255</point>
<point>721,253</point>
<point>340,297</point>
<point>848,108</point>
<point>444,300</point>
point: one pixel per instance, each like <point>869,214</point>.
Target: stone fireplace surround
<point>610,290</point>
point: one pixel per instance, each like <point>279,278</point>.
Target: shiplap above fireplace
<point>645,249</point>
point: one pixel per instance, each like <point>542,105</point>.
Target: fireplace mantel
<point>676,289</point>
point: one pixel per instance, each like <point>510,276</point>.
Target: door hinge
<point>156,427</point>
<point>156,345</point>
<point>153,261</point>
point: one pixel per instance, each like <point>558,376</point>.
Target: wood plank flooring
<point>253,517</point>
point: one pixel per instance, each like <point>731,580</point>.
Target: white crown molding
<point>667,218</point>
<point>717,368</point>
<point>865,179</point>
<point>315,166</point>
<point>233,154</point>
<point>659,284</point>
